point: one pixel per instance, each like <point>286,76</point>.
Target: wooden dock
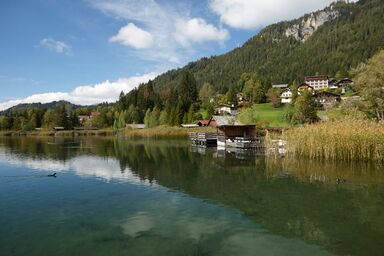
<point>208,139</point>
<point>243,142</point>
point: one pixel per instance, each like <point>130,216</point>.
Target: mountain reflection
<point>289,197</point>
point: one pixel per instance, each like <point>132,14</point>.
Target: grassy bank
<point>264,113</point>
<point>163,132</point>
<point>338,140</point>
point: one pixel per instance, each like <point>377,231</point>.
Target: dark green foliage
<point>273,96</point>
<point>304,111</point>
<point>337,46</point>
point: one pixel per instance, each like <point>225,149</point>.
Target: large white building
<point>317,82</point>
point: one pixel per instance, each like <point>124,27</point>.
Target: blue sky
<point>87,51</point>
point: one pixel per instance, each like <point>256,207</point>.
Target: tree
<point>188,90</point>
<point>253,90</point>
<point>305,107</point>
<point>370,84</point>
<point>294,90</point>
<point>49,119</point>
<point>231,96</point>
<point>163,119</point>
<point>206,92</point>
<point>273,96</point>
<point>61,117</point>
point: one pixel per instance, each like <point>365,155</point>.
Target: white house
<point>226,109</point>
<point>286,96</point>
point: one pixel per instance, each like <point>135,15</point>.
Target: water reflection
<point>283,199</point>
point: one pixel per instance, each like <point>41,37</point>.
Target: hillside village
<point>326,92</point>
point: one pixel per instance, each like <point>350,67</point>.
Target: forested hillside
<point>40,106</point>
<point>331,41</point>
<point>352,36</point>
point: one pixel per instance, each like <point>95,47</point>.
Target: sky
<point>88,51</point>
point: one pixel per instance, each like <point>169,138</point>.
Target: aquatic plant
<point>346,139</point>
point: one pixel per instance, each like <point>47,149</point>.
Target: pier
<point>208,139</point>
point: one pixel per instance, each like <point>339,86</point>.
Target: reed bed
<point>164,132</point>
<point>346,139</point>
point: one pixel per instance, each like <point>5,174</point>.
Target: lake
<point>163,197</point>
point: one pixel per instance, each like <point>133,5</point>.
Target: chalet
<point>304,86</point>
<point>344,84</point>
<point>332,83</point>
<point>280,86</point>
<point>317,82</point>
<point>327,98</point>
<point>286,96</point>
<point>83,118</point>
<point>226,109</point>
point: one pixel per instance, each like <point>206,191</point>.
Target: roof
<point>345,80</point>
<point>316,78</point>
<point>304,84</point>
<point>189,125</point>
<point>204,122</point>
<point>282,86</point>
<point>226,105</point>
<point>136,126</point>
<point>327,94</point>
<point>225,120</point>
<point>239,125</point>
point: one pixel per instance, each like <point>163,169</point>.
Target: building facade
<point>317,82</point>
<point>286,96</point>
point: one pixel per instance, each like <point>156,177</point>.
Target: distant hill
<point>51,105</point>
<point>329,41</point>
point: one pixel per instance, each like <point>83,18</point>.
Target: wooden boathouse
<point>239,136</point>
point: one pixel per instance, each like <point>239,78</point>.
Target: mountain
<point>51,105</point>
<point>329,41</point>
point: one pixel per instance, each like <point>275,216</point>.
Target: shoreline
<point>156,132</point>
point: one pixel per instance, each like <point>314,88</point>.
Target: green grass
<point>204,113</point>
<point>264,113</point>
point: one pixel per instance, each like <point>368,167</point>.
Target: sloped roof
<point>225,120</point>
<point>281,86</point>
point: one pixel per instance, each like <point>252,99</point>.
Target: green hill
<point>287,51</point>
<point>51,105</point>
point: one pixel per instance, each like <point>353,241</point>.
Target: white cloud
<point>162,23</point>
<point>197,30</point>
<point>56,46</point>
<point>250,14</point>
<point>106,169</point>
<point>133,36</point>
<point>86,95</point>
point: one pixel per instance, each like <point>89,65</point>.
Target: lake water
<point>162,197</point>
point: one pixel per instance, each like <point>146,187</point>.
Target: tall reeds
<point>347,139</point>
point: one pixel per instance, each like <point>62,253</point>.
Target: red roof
<point>204,122</point>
